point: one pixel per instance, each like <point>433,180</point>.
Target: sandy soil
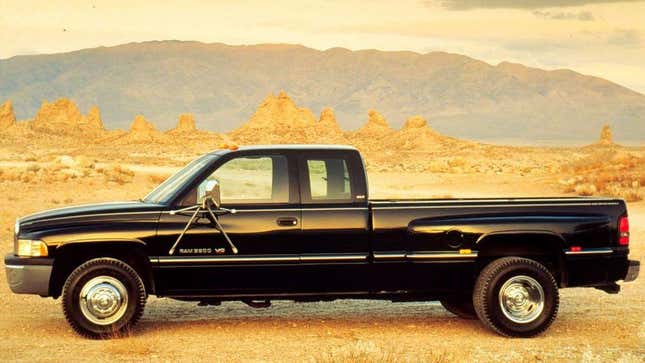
<point>592,326</point>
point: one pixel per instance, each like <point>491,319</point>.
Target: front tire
<point>103,297</point>
<point>516,297</point>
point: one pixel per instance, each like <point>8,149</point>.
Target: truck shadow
<point>167,315</point>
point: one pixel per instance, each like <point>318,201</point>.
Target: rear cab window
<point>332,177</point>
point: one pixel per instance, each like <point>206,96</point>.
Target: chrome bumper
<point>28,275</point>
<point>632,270</point>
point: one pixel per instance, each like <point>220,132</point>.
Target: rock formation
<point>376,125</point>
<point>328,121</point>
<point>64,117</point>
<point>605,135</point>
<point>277,120</point>
<point>7,116</point>
<point>142,130</point>
<point>416,135</point>
<point>415,123</point>
<point>327,130</point>
<point>141,125</point>
<point>186,123</point>
<point>93,119</point>
<point>61,115</point>
<point>375,134</point>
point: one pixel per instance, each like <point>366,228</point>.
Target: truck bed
<point>460,230</point>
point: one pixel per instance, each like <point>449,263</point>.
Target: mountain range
<point>221,85</point>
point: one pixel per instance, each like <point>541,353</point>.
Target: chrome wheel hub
<point>521,299</point>
<point>103,300</point>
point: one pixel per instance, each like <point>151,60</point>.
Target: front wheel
<point>516,297</point>
<point>103,297</point>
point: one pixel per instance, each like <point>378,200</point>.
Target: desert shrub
<point>117,174</point>
<point>585,190</point>
<point>157,178</point>
<point>569,189</point>
<point>457,162</point>
<point>632,196</point>
<point>609,173</point>
<point>33,167</point>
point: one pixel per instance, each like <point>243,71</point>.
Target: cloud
<point>564,15</point>
<point>581,42</point>
<point>519,4</point>
<point>625,38</point>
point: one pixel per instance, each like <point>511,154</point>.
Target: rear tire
<point>103,298</point>
<point>516,297</point>
<point>462,306</point>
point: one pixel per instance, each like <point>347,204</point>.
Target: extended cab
<point>295,222</point>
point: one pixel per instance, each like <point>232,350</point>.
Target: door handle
<point>287,221</point>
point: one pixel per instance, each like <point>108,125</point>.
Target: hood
<point>91,211</point>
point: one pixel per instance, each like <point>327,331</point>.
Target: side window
<point>262,179</point>
<point>329,180</point>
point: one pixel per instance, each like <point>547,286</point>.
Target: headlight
<point>16,228</point>
<point>31,248</point>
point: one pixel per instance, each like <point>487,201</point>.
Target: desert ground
<point>592,326</point>
<point>62,157</point>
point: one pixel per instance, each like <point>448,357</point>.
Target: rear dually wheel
<point>516,297</point>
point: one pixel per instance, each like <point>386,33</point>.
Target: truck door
<point>263,190</point>
<point>335,226</point>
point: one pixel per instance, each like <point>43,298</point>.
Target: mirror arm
<point>182,210</point>
<point>190,222</point>
<point>203,208</point>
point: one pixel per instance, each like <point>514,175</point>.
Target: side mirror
<point>211,193</point>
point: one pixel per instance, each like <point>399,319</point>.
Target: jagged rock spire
<point>7,116</point>
<point>186,123</point>
<point>605,135</point>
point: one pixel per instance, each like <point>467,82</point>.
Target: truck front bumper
<point>632,271</point>
<point>28,275</point>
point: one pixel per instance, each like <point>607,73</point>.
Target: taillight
<point>623,231</point>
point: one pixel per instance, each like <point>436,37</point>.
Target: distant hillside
<point>222,85</point>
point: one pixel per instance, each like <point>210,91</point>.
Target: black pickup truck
<point>295,222</point>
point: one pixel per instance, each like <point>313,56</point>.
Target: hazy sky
<point>603,38</point>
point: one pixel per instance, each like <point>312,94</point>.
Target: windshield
<point>168,188</point>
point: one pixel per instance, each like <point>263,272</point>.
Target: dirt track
<point>592,326</point>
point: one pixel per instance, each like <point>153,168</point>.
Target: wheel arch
<point>546,247</point>
<point>70,255</point>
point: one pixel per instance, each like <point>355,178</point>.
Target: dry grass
<point>157,178</point>
<point>608,173</point>
<point>117,174</point>
<point>368,352</point>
